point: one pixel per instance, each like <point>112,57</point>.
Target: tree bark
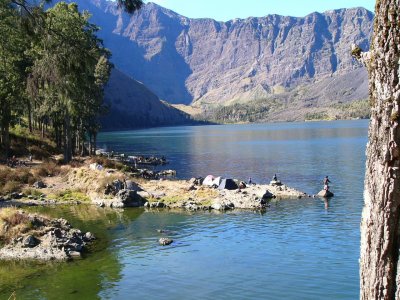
<point>379,257</point>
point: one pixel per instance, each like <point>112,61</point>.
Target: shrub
<point>12,223</point>
<point>11,187</point>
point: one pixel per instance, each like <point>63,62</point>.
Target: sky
<point>224,10</point>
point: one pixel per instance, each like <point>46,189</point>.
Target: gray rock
<point>222,206</point>
<point>165,241</point>
<point>89,236</point>
<point>39,185</point>
<point>30,241</point>
<point>268,195</point>
<point>130,198</point>
<point>132,186</point>
<point>325,194</point>
<point>16,195</point>
<point>75,254</point>
<point>158,204</point>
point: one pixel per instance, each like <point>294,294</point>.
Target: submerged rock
<point>165,241</point>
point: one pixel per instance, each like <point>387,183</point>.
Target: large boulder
<point>129,198</point>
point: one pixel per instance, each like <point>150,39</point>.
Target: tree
<point>12,69</point>
<point>66,58</point>
<point>380,226</point>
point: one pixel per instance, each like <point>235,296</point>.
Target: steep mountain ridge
<point>207,63</point>
<point>187,60</point>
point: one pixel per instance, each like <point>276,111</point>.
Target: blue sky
<point>223,10</point>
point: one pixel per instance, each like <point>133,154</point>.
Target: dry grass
<point>12,180</point>
<point>13,223</point>
<point>109,163</point>
<point>49,168</point>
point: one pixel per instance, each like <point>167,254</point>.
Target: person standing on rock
<point>326,183</point>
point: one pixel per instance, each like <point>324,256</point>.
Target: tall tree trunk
<point>67,139</point>
<point>379,260</point>
<point>94,142</point>
<point>5,138</point>
<point>29,116</point>
<point>90,143</point>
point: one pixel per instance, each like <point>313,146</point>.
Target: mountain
<point>132,105</point>
<point>206,63</point>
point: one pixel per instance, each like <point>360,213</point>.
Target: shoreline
<point>116,189</point>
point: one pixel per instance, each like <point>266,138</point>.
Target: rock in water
<point>325,194</point>
<point>165,241</point>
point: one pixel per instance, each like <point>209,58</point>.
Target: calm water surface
<point>295,250</point>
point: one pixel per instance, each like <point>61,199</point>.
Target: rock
<point>325,194</point>
<point>268,195</point>
<point>147,205</point>
<point>130,198</point>
<point>16,195</point>
<point>39,185</point>
<point>165,241</point>
<point>75,254</point>
<point>275,183</point>
<point>132,186</point>
<point>89,236</point>
<point>158,204</point>
<point>30,242</point>
<point>242,185</point>
<point>222,206</point>
<point>192,187</point>
<point>196,181</point>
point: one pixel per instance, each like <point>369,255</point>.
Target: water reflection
<point>83,279</point>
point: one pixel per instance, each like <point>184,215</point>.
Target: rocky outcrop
<point>49,239</point>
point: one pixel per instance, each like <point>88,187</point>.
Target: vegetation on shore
<point>263,110</point>
<point>52,75</point>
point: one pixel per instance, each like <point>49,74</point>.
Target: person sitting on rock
<point>326,183</point>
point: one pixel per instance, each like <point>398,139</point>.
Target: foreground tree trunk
<point>379,261</point>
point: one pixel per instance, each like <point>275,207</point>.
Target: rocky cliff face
<point>204,61</point>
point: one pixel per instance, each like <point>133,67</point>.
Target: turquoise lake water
<point>297,249</point>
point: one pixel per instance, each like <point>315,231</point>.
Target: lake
<point>297,249</point>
